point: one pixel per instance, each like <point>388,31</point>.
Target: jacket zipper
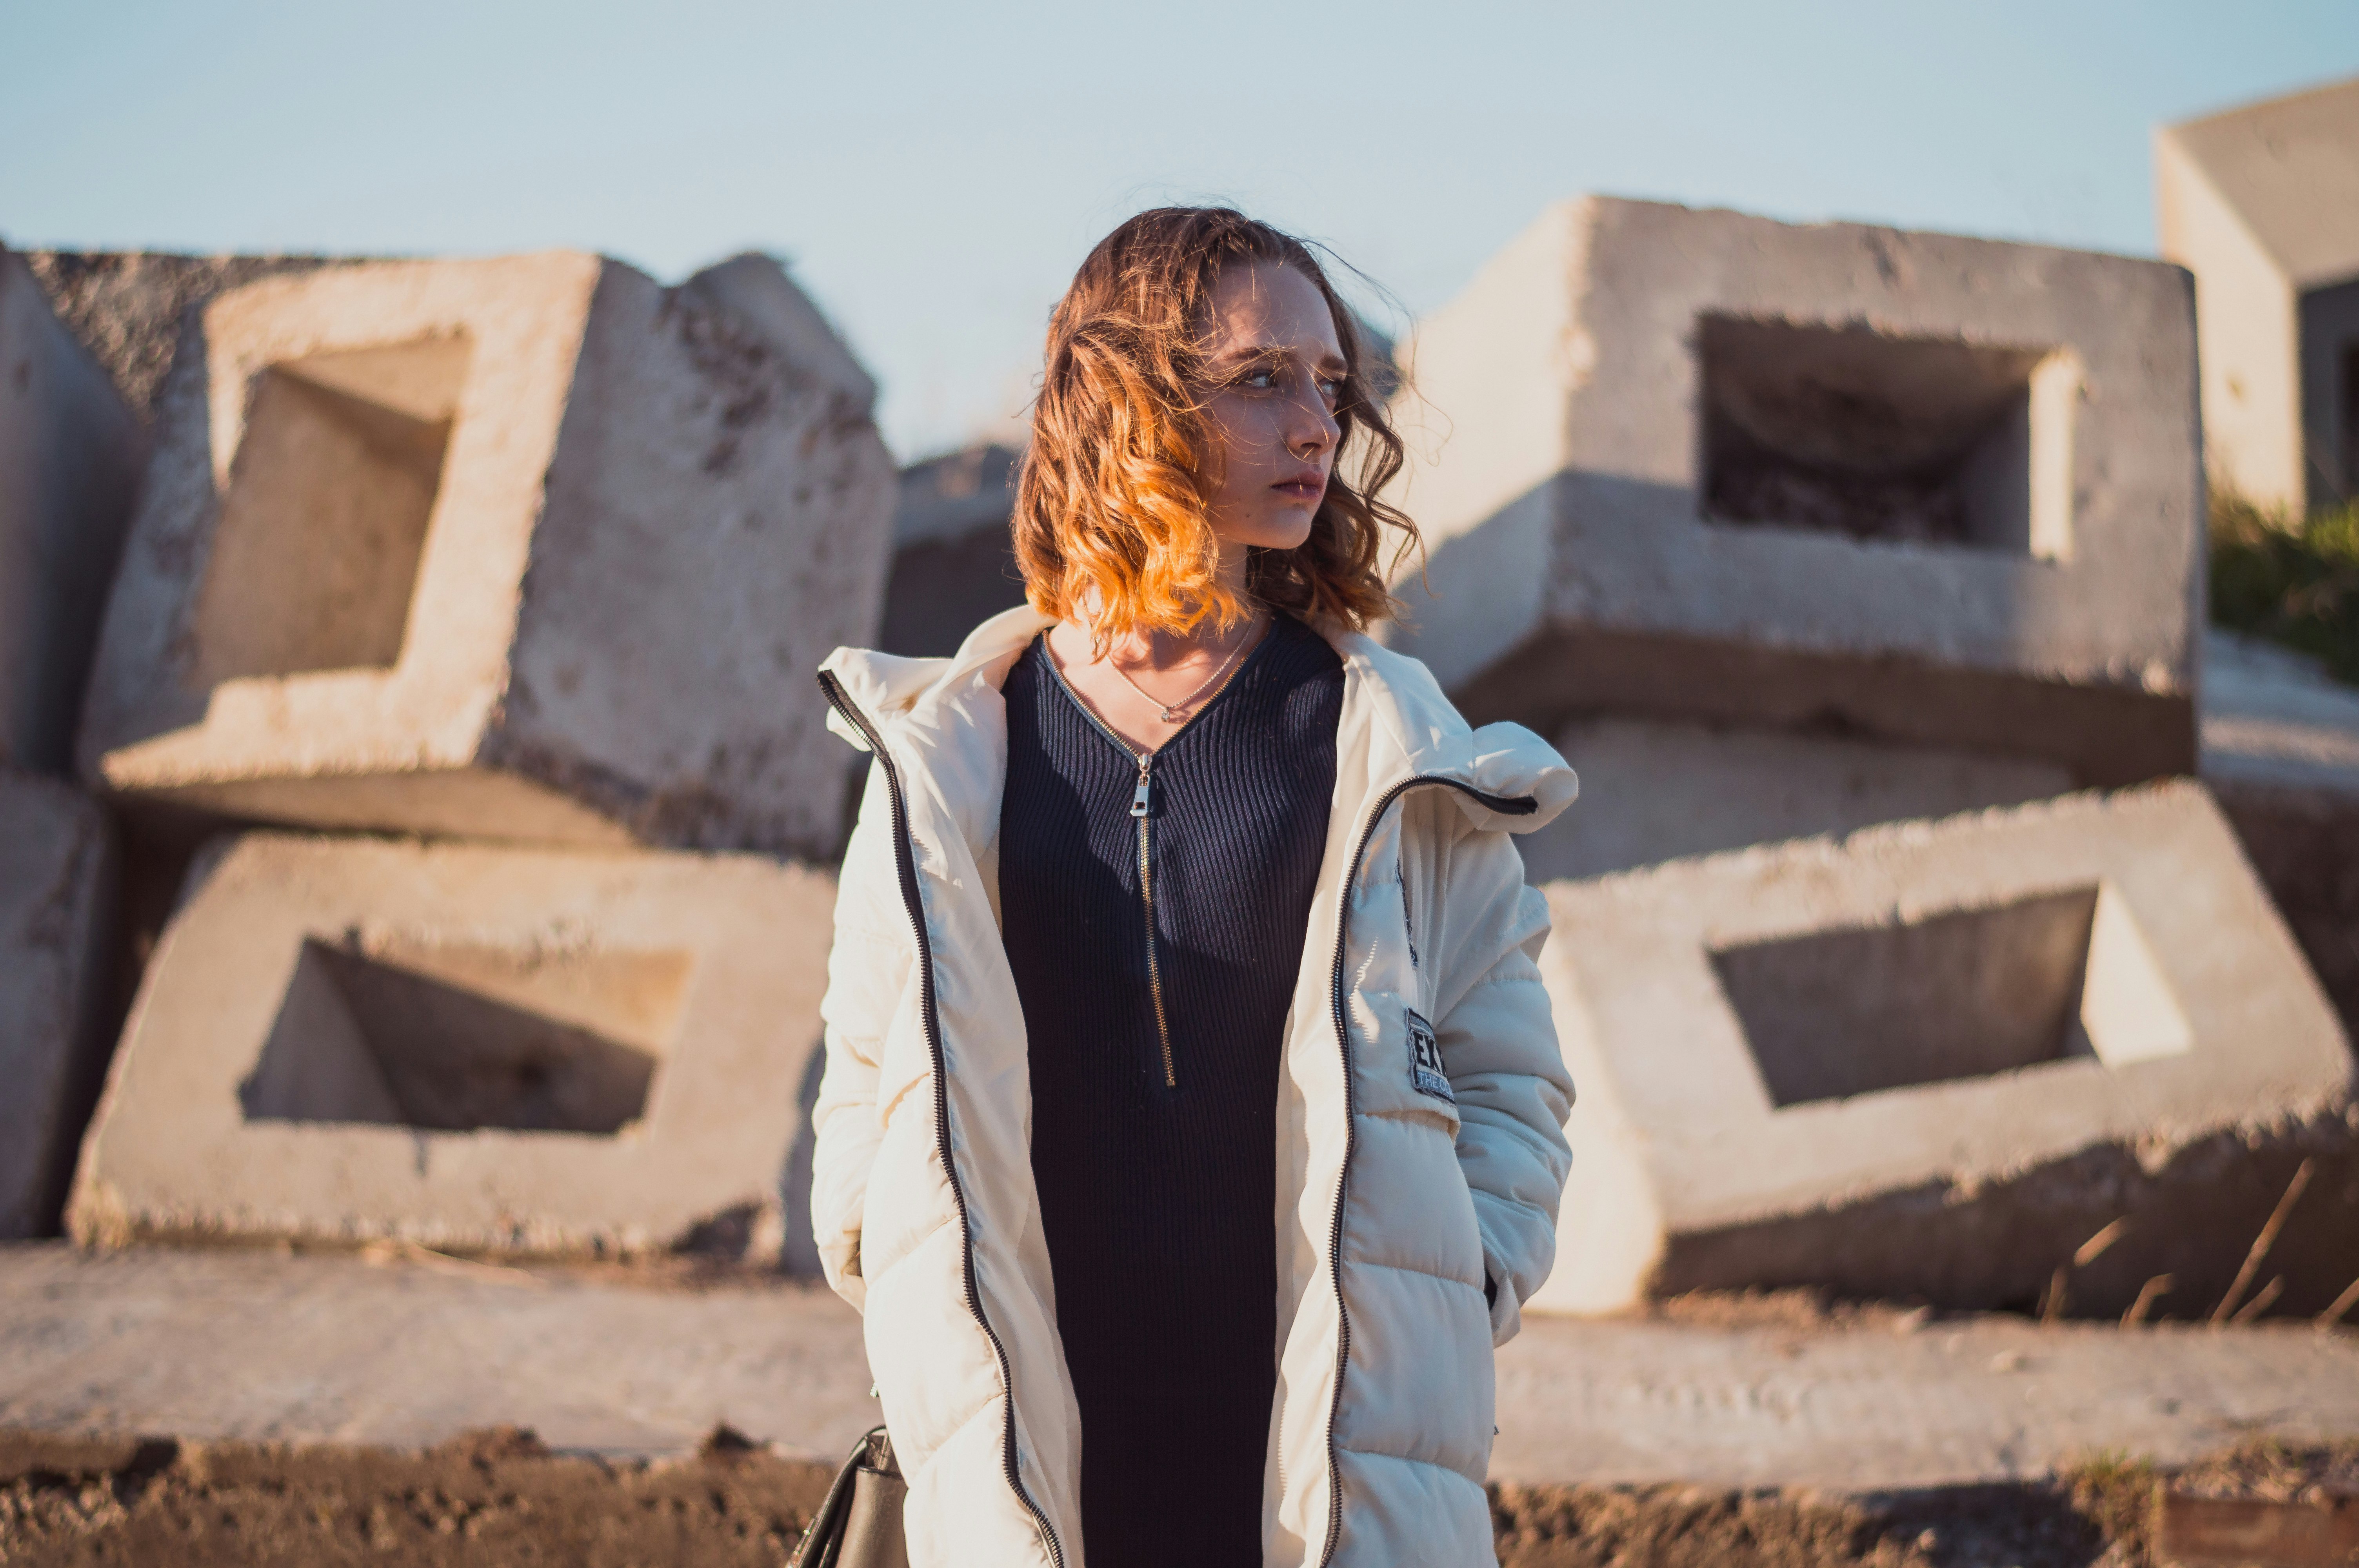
<point>1408,922</point>
<point>1514,805</point>
<point>913,903</point>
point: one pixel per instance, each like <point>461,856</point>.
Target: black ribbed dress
<point>1154,1130</point>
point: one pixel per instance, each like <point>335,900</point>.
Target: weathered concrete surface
<point>2262,204</point>
<point>954,564</point>
<point>1655,790</point>
<point>1696,464</point>
<point>250,1343</point>
<point>1933,1060</point>
<point>2305,844</point>
<point>243,1345</point>
<point>71,456</point>
<point>528,549</point>
<point>129,307</point>
<point>57,895</point>
<point>2281,751</point>
<point>2275,719</point>
<point>508,1050</point>
<point>1869,1409</point>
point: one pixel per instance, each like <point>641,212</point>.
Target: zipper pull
<point>1138,797</point>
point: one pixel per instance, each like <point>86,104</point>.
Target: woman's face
<point>1274,373</point>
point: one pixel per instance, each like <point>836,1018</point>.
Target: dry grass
<point>2295,581</point>
<point>2116,1493</point>
<point>2278,1472</point>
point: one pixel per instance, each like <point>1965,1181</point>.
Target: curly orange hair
<point>1110,509</point>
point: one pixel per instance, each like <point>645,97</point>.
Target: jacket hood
<point>1412,718</point>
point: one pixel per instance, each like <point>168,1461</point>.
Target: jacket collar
<point>1415,733</point>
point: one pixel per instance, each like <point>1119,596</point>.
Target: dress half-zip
<point>1142,808</point>
<point>1142,811</point>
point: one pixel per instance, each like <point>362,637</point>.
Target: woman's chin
<point>1285,529</point>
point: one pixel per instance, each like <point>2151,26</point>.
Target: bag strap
<point>823,1537</point>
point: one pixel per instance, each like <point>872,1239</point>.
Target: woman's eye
<point>1262,379</point>
<point>1332,391</point>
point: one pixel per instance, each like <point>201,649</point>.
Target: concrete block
<point>953,562</point>
<point>70,455</point>
<point>1658,790</point>
<point>2281,752</point>
<point>57,894</point>
<point>1701,465</point>
<point>488,1049</point>
<point>528,549</point>
<point>1934,1059</point>
<point>2262,204</point>
<point>2275,719</point>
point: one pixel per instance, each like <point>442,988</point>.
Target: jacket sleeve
<point>1499,1048</point>
<point>867,968</point>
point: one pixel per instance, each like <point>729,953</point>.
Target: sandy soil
<point>495,1498</point>
<point>1686,1526</point>
<point>500,1499</point>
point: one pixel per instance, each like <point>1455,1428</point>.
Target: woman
<point>1193,1120</point>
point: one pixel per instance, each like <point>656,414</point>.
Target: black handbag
<point>859,1525</point>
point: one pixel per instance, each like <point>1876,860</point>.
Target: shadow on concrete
<point>798,1254</point>
<point>121,711</point>
<point>942,589</point>
<point>361,1040</point>
<point>2193,1220</point>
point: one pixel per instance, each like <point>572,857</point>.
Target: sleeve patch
<point>1425,1060</point>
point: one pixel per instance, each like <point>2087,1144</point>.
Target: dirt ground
<point>500,1499</point>
<point>492,1498</point>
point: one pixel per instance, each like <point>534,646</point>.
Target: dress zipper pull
<point>1138,796</point>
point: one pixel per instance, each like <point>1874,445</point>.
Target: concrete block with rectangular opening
<point>1905,441</point>
<point>488,1049</point>
<point>2261,202</point>
<point>1932,1059</point>
<point>57,904</point>
<point>70,455</point>
<point>529,548</point>
<point>1698,465</point>
<point>325,517</point>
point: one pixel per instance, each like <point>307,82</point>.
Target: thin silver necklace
<point>1172,710</point>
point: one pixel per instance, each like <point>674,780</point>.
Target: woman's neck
<point>1153,648</point>
<point>1149,683</point>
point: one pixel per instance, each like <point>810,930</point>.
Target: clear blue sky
<point>935,172</point>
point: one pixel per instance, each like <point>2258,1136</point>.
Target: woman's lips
<point>1302,487</point>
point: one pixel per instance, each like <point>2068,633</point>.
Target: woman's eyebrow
<point>1278,354</point>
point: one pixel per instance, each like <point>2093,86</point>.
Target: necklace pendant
<point>1169,717</point>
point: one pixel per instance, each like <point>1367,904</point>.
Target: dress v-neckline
<point>1136,754</point>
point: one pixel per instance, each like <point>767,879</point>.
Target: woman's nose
<point>1314,429</point>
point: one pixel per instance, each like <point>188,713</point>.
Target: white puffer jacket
<point>1414,1157</point>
